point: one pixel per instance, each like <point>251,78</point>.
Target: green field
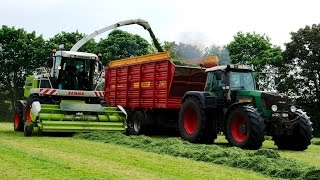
<point>49,157</point>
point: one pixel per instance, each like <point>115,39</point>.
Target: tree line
<point>297,67</point>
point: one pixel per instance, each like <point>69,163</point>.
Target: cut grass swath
<point>265,161</point>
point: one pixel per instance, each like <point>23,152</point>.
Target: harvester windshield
<point>76,74</point>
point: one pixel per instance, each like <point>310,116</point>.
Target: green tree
<point>257,50</point>
<point>120,44</point>
<point>301,71</point>
<point>20,53</point>
<point>69,39</point>
<point>222,53</point>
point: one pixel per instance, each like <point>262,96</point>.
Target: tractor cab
<point>74,70</point>
<point>233,78</point>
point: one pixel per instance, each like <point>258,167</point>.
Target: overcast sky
<point>192,21</point>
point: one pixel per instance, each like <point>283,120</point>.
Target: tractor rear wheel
<point>136,124</point>
<point>194,124</point>
<point>300,138</point>
<point>18,118</point>
<point>245,128</point>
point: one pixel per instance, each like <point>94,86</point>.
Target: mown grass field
<point>49,157</point>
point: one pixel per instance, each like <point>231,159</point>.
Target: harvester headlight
<point>274,108</point>
<point>227,87</point>
<point>293,109</point>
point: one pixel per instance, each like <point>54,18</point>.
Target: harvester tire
<point>18,122</point>
<point>136,126</point>
<point>28,125</point>
<point>28,129</point>
<point>300,138</point>
<point>245,127</point>
<point>194,124</point>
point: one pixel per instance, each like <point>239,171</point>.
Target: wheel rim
<point>16,120</point>
<point>136,125</point>
<point>28,114</point>
<point>239,128</point>
<point>190,121</point>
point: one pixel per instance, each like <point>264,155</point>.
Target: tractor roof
<point>74,54</point>
<point>231,66</point>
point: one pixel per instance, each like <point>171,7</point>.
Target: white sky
<point>200,22</point>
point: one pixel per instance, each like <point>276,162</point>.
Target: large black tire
<point>18,122</point>
<point>136,125</point>
<point>301,136</point>
<point>28,125</point>
<point>194,124</point>
<point>245,127</point>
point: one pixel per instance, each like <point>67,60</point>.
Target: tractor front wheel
<point>194,124</point>
<point>245,128</point>
<point>301,136</point>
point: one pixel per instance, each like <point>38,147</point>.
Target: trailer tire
<point>300,138</point>
<point>136,124</point>
<point>194,125</point>
<point>18,123</point>
<point>245,127</point>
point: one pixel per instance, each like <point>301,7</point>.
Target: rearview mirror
<point>50,62</point>
<point>276,80</point>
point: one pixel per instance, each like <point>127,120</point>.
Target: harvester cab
<point>64,97</point>
<point>243,113</point>
<point>75,70</point>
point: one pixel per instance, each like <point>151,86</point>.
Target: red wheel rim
<point>16,120</point>
<point>239,128</point>
<point>28,115</point>
<point>190,121</point>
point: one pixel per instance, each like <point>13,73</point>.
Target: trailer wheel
<point>300,138</point>
<point>18,118</point>
<point>136,125</point>
<point>245,128</point>
<point>194,125</point>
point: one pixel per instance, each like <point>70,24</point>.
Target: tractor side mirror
<point>276,80</point>
<point>218,75</point>
<point>50,62</point>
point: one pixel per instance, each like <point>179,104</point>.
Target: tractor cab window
<point>241,80</point>
<point>215,81</point>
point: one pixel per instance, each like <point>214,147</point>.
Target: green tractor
<point>231,104</point>
<point>64,97</point>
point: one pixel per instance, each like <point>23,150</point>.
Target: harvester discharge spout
<point>140,22</point>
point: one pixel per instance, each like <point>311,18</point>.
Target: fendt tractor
<point>155,93</point>
<point>64,97</point>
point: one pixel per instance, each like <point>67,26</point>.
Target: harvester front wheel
<point>300,138</point>
<point>194,125</point>
<point>18,118</point>
<point>245,128</point>
<point>28,124</point>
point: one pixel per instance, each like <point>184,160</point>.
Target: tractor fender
<point>198,94</point>
<point>227,110</point>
